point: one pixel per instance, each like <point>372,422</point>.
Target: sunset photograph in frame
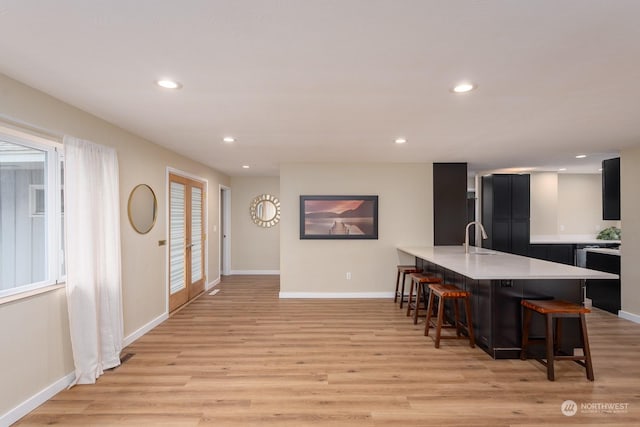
<point>338,217</point>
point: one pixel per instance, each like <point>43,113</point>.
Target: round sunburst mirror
<point>265,210</point>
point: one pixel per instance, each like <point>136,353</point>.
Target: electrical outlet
<point>562,228</point>
<point>348,275</point>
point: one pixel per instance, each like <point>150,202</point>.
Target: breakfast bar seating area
<point>500,292</point>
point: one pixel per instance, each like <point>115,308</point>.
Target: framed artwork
<point>338,217</point>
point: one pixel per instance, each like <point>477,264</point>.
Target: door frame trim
<point>225,252</point>
<point>167,207</point>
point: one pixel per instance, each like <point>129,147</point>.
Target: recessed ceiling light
<point>401,141</point>
<point>463,87</point>
<point>581,156</point>
<point>168,84</point>
<point>245,166</point>
<point>562,169</point>
<point>229,139</point>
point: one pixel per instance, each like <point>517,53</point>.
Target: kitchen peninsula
<point>498,281</point>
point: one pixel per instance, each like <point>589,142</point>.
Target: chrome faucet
<point>466,234</point>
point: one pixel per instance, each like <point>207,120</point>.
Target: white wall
<point>544,203</point>
<point>36,347</point>
<point>254,249</point>
<point>316,267</point>
<point>35,334</point>
<point>567,204</point>
<point>580,204</point>
<point>630,215</point>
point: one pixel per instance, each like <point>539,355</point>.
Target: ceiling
<point>339,80</point>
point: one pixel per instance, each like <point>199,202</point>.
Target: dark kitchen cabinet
<point>449,203</point>
<point>562,253</point>
<point>604,294</point>
<point>520,236</point>
<point>611,189</point>
<point>471,214</point>
<point>505,212</point>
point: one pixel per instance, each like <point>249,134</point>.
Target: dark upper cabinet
<point>505,212</point>
<point>611,189</point>
<point>449,203</point>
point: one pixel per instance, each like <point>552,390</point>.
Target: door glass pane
<point>63,263</point>
<point>23,213</point>
<point>177,237</point>
<point>196,234</point>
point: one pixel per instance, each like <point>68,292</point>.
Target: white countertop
<point>615,252</point>
<point>487,264</point>
<point>579,239</point>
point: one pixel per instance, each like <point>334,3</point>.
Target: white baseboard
<point>36,400</point>
<point>629,316</point>
<point>254,272</point>
<point>143,330</point>
<point>39,398</point>
<point>212,284</point>
<point>325,295</point>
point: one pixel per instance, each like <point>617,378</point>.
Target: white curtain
<point>92,215</point>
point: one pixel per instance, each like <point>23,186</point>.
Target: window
<point>31,219</point>
<point>36,200</point>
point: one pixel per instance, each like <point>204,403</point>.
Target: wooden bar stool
<point>444,292</point>
<point>404,270</point>
<point>418,282</point>
<point>556,309</point>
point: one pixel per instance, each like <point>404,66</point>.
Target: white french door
<point>186,240</point>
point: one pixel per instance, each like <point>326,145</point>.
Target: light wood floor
<point>245,358</point>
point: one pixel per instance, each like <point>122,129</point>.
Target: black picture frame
<point>339,217</point>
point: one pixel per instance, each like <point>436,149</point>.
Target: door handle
<point>189,246</point>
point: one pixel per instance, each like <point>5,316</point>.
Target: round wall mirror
<point>142,208</point>
<point>265,210</point>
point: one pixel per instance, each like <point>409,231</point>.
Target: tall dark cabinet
<point>611,189</point>
<point>449,203</point>
<point>505,212</point>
